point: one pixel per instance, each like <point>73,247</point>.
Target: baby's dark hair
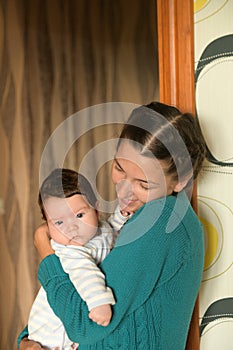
<point>65,183</point>
<point>158,128</point>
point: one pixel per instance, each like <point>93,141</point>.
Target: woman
<point>156,265</point>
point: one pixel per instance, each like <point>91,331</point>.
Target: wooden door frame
<point>175,20</point>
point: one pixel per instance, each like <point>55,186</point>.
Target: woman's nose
<point>124,189</point>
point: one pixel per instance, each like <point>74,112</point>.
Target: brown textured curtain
<point>56,58</point>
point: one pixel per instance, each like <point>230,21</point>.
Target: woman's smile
<point>139,179</point>
<point>127,203</point>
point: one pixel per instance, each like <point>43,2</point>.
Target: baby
<point>81,241</point>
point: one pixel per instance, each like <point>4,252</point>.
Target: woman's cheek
<point>115,176</point>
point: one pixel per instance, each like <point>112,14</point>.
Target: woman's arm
<point>131,269</point>
<point>128,269</point>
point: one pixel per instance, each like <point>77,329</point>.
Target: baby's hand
<point>101,314</point>
<point>125,213</point>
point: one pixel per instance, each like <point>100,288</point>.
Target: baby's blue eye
<point>59,222</point>
<point>79,216</point>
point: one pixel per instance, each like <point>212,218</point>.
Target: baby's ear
<point>97,208</point>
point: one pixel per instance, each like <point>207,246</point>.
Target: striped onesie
<point>81,263</point>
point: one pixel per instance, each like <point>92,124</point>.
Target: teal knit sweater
<point>155,272</point>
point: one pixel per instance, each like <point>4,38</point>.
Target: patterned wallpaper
<point>214,86</point>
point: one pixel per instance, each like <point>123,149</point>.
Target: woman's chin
<point>130,207</point>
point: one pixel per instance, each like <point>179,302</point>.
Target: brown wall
<point>57,57</point>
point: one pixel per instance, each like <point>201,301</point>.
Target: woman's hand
<point>27,344</point>
<point>42,241</point>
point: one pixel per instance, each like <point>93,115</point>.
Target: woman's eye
<point>118,168</point>
<point>79,215</point>
<point>144,186</point>
<point>58,223</point>
<point>148,187</point>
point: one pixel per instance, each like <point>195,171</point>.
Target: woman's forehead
<point>128,155</point>
<point>130,150</point>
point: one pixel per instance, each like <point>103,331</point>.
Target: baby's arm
<point>102,314</point>
<point>88,280</point>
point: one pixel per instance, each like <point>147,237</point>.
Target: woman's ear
<point>182,184</point>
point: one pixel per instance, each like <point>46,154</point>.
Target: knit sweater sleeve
<point>132,269</point>
<point>73,311</point>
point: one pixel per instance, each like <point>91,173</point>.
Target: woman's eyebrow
<point>149,182</point>
<point>118,163</point>
<point>141,180</point>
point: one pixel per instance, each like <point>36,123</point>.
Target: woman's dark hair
<point>162,131</point>
<point>64,183</point>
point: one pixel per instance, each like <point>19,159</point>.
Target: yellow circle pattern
<point>199,4</point>
<point>212,242</point>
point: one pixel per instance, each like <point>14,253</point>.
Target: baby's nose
<point>72,223</point>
